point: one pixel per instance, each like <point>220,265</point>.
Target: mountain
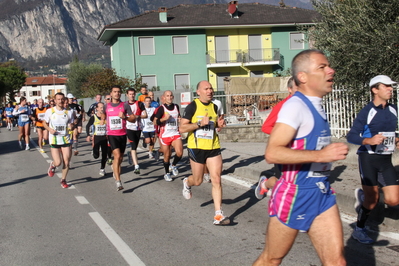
<point>53,31</point>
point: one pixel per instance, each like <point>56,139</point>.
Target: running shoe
<point>360,234</point>
<point>186,190</point>
<point>260,192</point>
<point>206,179</point>
<point>359,195</point>
<point>136,171</point>
<point>43,143</point>
<point>20,145</point>
<point>119,185</point>
<point>64,184</point>
<point>150,155</point>
<point>109,161</point>
<point>175,172</point>
<point>27,148</point>
<point>156,155</point>
<point>167,177</point>
<point>220,219</point>
<point>102,172</point>
<point>42,151</point>
<point>75,153</point>
<point>51,170</point>
<point>129,157</point>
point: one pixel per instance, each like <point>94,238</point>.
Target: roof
<point>40,81</point>
<point>214,16</point>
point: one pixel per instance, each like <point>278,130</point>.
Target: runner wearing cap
<point>374,130</point>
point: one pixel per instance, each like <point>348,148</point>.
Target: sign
<point>185,99</point>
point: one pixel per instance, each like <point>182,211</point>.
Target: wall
<point>251,133</point>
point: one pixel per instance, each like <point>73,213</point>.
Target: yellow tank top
<point>204,138</point>
<point>99,130</point>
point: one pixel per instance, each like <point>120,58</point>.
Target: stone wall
<point>250,133</point>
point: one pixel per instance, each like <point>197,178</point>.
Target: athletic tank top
<point>204,138</point>
<point>99,130</point>
<point>40,114</point>
<point>116,126</point>
<point>318,138</point>
<point>136,111</point>
<point>147,124</point>
<point>24,117</point>
<point>170,127</point>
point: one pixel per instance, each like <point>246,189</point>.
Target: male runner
<point>301,141</point>
<point>200,120</point>
<point>99,137</point>
<point>77,129</point>
<point>265,184</point>
<point>58,121</point>
<point>148,127</point>
<point>38,116</point>
<point>134,129</point>
<point>115,114</point>
<point>93,106</point>
<point>374,129</point>
<point>167,118</point>
<point>154,103</point>
<point>109,150</point>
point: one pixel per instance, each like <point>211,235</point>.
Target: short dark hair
<point>130,89</point>
<point>116,86</point>
<point>298,62</point>
<point>60,93</point>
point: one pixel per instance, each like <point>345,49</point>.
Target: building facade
<point>41,87</point>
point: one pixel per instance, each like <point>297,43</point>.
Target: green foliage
<point>361,38</point>
<point>12,78</point>
<point>78,74</point>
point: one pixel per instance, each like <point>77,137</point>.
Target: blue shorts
<point>297,206</point>
<point>22,124</point>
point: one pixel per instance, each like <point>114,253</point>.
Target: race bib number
<point>60,129</point>
<point>131,126</point>
<point>321,169</point>
<point>171,125</point>
<point>8,112</point>
<point>388,145</point>
<point>206,132</point>
<point>24,118</point>
<point>115,123</point>
<point>41,116</point>
<point>101,130</point>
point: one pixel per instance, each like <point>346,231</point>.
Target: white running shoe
<point>220,219</point>
<point>186,190</point>
<point>175,172</point>
<point>206,179</point>
<point>119,185</point>
<point>167,177</point>
<point>27,148</point>
<point>102,172</point>
<point>150,155</point>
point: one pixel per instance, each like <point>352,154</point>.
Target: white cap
<point>70,96</point>
<point>382,79</point>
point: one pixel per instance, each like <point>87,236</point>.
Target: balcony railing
<point>250,56</point>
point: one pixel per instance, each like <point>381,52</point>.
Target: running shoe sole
<point>186,191</point>
<point>64,184</point>
<point>224,221</point>
<point>259,189</point>
<point>51,170</point>
<point>358,196</point>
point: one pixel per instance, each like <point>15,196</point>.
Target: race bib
<point>115,123</point>
<point>8,112</point>
<point>41,116</point>
<point>171,125</point>
<point>60,129</point>
<point>388,145</point>
<point>24,118</point>
<point>206,132</point>
<point>321,169</point>
<point>101,130</point>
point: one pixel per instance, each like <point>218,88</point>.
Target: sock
<point>176,160</point>
<point>362,217</point>
<point>136,166</point>
<point>166,166</point>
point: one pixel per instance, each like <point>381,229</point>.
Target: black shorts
<point>133,137</point>
<point>148,135</point>
<point>117,142</point>
<point>377,169</point>
<point>78,122</point>
<point>60,146</point>
<point>42,128</point>
<point>200,156</point>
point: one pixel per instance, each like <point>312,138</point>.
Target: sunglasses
<point>107,99</point>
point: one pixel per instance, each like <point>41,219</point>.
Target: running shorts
<point>60,146</point>
<point>200,156</point>
<point>133,137</point>
<point>148,135</point>
<point>22,124</point>
<point>42,128</point>
<point>118,142</point>
<point>168,141</point>
<point>297,206</point>
<point>377,169</point>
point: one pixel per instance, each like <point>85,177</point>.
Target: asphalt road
<point>147,223</point>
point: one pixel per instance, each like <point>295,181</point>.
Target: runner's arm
<point>89,124</point>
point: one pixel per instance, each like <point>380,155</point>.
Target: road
<point>148,223</point>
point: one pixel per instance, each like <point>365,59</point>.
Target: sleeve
<point>190,111</point>
<point>128,110</point>
<point>71,115</point>
<point>15,112</point>
<point>178,110</point>
<point>355,133</point>
<point>47,115</point>
<point>88,125</point>
<point>141,107</point>
<point>159,115</point>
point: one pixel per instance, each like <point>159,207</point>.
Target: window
<point>297,41</point>
<point>182,81</point>
<point>180,45</point>
<point>150,80</point>
<point>257,74</point>
<point>146,46</point>
<point>220,80</point>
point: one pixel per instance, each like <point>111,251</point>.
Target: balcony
<point>238,57</point>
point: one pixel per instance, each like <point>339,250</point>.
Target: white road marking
<point>82,200</point>
<point>128,254</point>
<point>240,182</point>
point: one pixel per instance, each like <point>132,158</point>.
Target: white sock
<point>136,167</point>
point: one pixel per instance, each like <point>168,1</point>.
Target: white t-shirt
<point>219,105</point>
<point>59,121</point>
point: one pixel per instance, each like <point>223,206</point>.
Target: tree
<point>361,38</point>
<point>78,75</point>
<point>101,83</point>
<point>12,78</point>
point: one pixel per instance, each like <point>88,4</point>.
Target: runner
<point>77,129</point>
<point>265,183</point>
<point>93,106</point>
<point>33,107</point>
<point>134,129</point>
<point>154,103</point>
<point>9,116</point>
<point>115,114</point>
<point>374,130</point>
<point>158,152</point>
<point>38,116</point>
<point>168,116</point>
<point>24,114</point>
<point>109,150</point>
<point>148,127</point>
<point>200,120</point>
<point>302,198</point>
<point>99,137</point>
<point>58,121</point>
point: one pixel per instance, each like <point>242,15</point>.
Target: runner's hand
<point>333,152</point>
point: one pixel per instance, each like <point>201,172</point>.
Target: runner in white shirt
<point>148,127</point>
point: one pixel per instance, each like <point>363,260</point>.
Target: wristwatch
<point>199,124</point>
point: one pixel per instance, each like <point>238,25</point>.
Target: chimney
<point>163,15</point>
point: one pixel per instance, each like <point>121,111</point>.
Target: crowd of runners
<point>301,199</point>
